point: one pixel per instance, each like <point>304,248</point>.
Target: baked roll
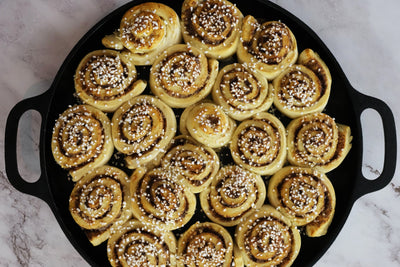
<point>81,140</point>
<point>99,202</point>
<point>213,26</point>
<point>106,78</point>
<point>317,141</point>
<point>146,30</point>
<point>267,238</point>
<point>194,163</point>
<point>259,144</point>
<point>160,198</point>
<point>242,91</point>
<point>303,88</point>
<point>268,47</point>
<point>182,75</point>
<point>137,244</point>
<point>208,124</point>
<point>304,195</point>
<point>141,128</point>
<point>233,195</point>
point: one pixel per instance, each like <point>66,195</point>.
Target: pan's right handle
<point>39,188</point>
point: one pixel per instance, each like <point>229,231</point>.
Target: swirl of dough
<point>99,202</point>
<point>213,26</point>
<point>136,244</point>
<point>241,91</point>
<point>182,75</point>
<point>267,238</point>
<point>106,78</point>
<point>81,140</point>
<point>259,144</point>
<point>160,198</point>
<point>304,195</point>
<point>233,195</point>
<point>317,141</point>
<point>142,127</point>
<point>205,244</point>
<point>269,47</point>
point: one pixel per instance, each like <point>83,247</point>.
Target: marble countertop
<point>35,38</point>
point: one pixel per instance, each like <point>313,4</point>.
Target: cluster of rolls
<point>174,137</point>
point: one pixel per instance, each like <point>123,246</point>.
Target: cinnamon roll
<point>267,238</point>
<point>137,244</point>
<point>303,88</point>
<point>317,141</point>
<point>146,30</point>
<point>195,164</point>
<point>213,26</point>
<point>233,195</point>
<point>241,91</point>
<point>268,47</point>
<point>205,244</point>
<point>304,195</point>
<point>182,75</point>
<point>208,124</point>
<point>81,140</point>
<point>99,202</point>
<point>141,128</point>
<point>106,78</point>
<point>161,199</point>
<point>259,144</point>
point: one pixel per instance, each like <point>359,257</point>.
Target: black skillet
<point>345,104</point>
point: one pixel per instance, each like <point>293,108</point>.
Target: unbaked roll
<point>208,124</point>
<point>146,30</point>
<point>303,88</point>
<point>268,47</point>
<point>317,141</point>
<point>136,244</point>
<point>233,195</point>
<point>106,78</point>
<point>161,199</point>
<point>100,202</point>
<point>141,128</point>
<point>267,238</point>
<point>213,26</point>
<point>242,91</point>
<point>304,195</point>
<point>182,75</point>
<point>81,140</point>
<point>259,144</point>
<point>205,244</point>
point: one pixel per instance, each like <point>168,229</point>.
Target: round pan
<point>345,105</point>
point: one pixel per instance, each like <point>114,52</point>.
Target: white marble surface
<point>36,36</point>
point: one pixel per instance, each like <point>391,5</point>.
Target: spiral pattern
<point>195,164</point>
<point>106,78</point>
<point>232,195</point>
<point>142,127</point>
<point>99,202</point>
<point>316,141</point>
<point>259,144</point>
<point>213,26</point>
<point>241,91</point>
<point>161,199</point>
<point>81,140</point>
<point>182,75</point>
<point>205,244</point>
<point>136,244</point>
<point>267,238</point>
<point>269,47</point>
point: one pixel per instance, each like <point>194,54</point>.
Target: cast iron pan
<point>345,104</point>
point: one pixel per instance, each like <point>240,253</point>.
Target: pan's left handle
<point>39,188</point>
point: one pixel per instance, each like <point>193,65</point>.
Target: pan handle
<point>362,102</point>
<point>38,188</point>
